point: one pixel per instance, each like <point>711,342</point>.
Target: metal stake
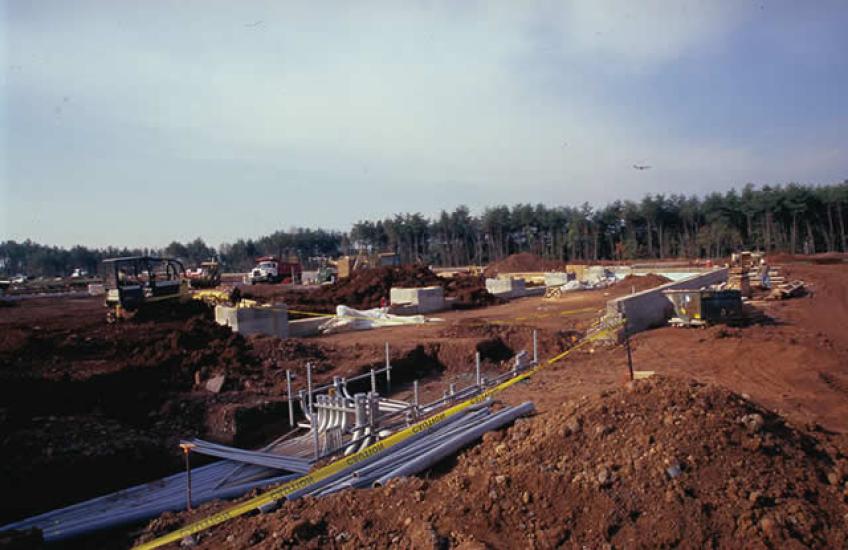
<point>187,447</point>
<point>309,385</point>
<point>289,394</point>
<point>629,357</point>
<point>535,347</point>
<point>373,381</point>
<point>478,368</point>
<point>388,372</point>
<point>415,394</point>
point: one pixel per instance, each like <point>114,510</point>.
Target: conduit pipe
<point>453,444</point>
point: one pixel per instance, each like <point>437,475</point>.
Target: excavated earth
<point>86,408</point>
<point>369,288</point>
<point>523,262</point>
<point>662,462</point>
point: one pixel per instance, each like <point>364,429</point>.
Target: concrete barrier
<point>427,299</point>
<point>303,328</point>
<point>558,278</point>
<point>95,289</point>
<point>650,308</point>
<point>272,321</point>
<point>506,288</point>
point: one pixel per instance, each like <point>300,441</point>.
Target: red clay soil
<point>364,289</point>
<point>89,407</point>
<point>796,365</point>
<point>659,463</point>
<point>823,258</point>
<point>368,288</point>
<point>640,282</point>
<point>469,291</point>
<point>524,262</point>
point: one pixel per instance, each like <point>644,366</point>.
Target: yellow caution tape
<point>333,468</point>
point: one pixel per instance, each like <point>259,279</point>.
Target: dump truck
<point>269,269</point>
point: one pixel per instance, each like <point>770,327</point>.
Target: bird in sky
<point>254,24</point>
<point>641,166</point>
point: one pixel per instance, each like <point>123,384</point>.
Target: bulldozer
<point>348,264</point>
<point>208,275</point>
<point>134,283</point>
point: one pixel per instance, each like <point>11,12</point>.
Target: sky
<point>139,123</point>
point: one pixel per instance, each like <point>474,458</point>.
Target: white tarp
<point>348,318</point>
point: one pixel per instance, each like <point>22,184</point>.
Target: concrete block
<point>506,288</point>
<point>271,321</point>
<point>651,308</point>
<point>216,383</point>
<point>558,278</point>
<point>304,328</point>
<point>427,299</point>
<point>96,290</point>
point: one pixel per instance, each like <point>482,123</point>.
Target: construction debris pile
<point>751,271</point>
<point>525,262</point>
<point>469,291</point>
<point>369,288</point>
<point>662,462</point>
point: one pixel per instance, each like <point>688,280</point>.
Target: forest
<point>792,218</point>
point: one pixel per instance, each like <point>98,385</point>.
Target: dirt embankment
<point>369,288</point>
<point>524,262</point>
<point>663,462</point>
<point>639,283</point>
<point>87,407</point>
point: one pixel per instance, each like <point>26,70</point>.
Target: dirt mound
<point>641,282</point>
<point>470,292</point>
<point>822,258</point>
<point>364,289</point>
<point>89,407</point>
<point>662,462</point>
<point>523,262</point>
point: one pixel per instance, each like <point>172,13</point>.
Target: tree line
<point>793,218</point>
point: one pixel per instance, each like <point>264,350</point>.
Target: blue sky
<point>138,123</point>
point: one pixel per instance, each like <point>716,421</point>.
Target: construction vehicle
<point>208,275</point>
<point>137,282</point>
<point>348,264</point>
<point>269,269</point>
<point>705,307</point>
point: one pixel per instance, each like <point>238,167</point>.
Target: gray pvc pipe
<point>452,445</point>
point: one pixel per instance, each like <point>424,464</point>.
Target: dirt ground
<point>795,365</point>
<point>664,462</point>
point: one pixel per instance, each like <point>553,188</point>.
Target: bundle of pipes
<point>375,417</point>
<point>259,458</point>
<point>417,453</point>
<point>148,500</point>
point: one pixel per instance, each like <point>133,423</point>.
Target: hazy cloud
<point>322,115</point>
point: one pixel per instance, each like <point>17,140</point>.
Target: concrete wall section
<point>506,288</point>
<point>650,308</point>
<point>303,328</point>
<point>557,278</point>
<point>272,321</point>
<point>428,298</point>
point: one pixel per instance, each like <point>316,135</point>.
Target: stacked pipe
<point>422,451</point>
